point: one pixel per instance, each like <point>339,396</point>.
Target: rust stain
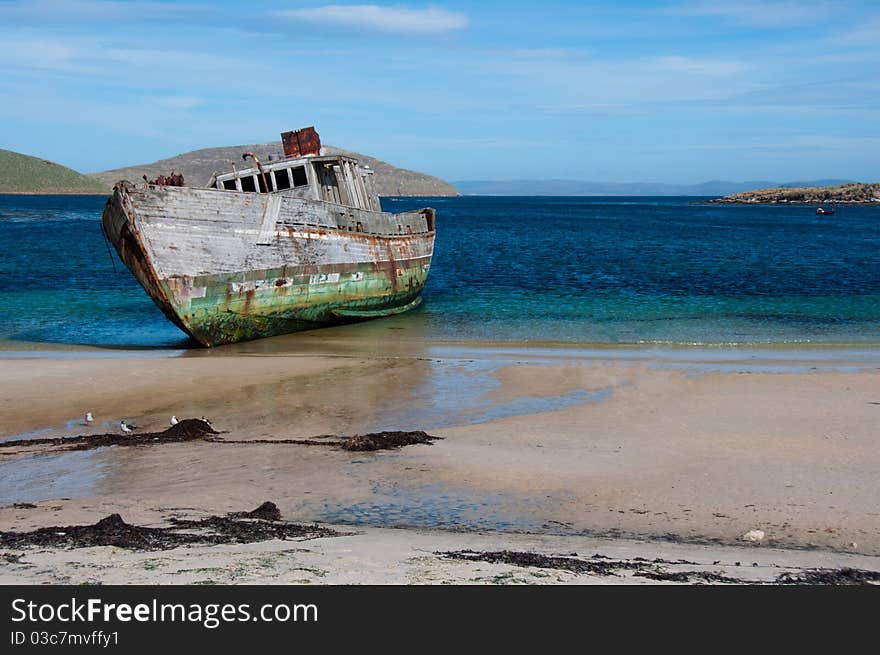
<point>392,267</point>
<point>260,167</point>
<point>175,179</point>
<point>298,143</point>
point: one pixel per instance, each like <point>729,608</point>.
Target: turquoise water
<point>571,270</point>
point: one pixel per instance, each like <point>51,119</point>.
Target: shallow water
<point>33,478</point>
<point>450,385</point>
<point>437,506</point>
<point>651,271</point>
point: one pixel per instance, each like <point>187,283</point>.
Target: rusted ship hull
<point>227,266</point>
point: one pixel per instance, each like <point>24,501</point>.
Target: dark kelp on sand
<point>651,569</point>
<point>596,565</point>
<point>186,430</point>
<point>261,524</point>
<point>842,576</point>
<point>194,429</point>
<point>360,442</point>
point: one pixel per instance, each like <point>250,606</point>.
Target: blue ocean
<point>583,270</point>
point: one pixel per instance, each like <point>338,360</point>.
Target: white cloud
<point>28,51</point>
<point>396,19</point>
<point>613,86</point>
<point>868,33</point>
<point>541,53</point>
<point>762,13</point>
<point>180,61</point>
<point>51,10</point>
<point>691,66</point>
<point>178,102</point>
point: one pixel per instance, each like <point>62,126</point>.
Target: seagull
<point>89,418</point>
<point>174,420</point>
<point>127,429</point>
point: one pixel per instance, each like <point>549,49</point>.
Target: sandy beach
<point>627,453</point>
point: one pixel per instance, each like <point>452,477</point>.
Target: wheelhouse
<point>331,178</point>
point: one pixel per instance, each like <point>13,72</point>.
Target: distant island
<point>197,167</point>
<point>854,193</point>
<point>563,187</point>
<point>31,175</point>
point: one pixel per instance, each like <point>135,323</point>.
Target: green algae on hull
<point>223,317</point>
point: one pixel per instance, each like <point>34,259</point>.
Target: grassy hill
<point>855,193</point>
<point>24,174</point>
<point>198,166</point>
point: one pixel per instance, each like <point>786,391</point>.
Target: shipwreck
<point>294,243</point>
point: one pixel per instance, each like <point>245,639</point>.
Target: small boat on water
<point>824,212</point>
<point>296,243</point>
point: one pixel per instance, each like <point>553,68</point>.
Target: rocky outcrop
<point>855,193</point>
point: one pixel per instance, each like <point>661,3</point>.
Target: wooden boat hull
<point>227,266</point>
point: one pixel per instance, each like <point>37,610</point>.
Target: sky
<point>677,92</point>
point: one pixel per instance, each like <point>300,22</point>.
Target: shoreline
<point>299,340</point>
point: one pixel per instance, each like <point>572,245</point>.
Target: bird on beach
<point>89,419</point>
<point>125,427</point>
<point>174,420</point>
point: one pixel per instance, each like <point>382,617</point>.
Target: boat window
<point>282,181</point>
<point>247,184</point>
<point>299,176</point>
<point>261,180</point>
<point>229,184</point>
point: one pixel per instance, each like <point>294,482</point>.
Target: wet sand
<point>569,447</point>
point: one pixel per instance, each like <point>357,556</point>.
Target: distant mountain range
<point>197,167</point>
<point>584,188</point>
<point>25,174</point>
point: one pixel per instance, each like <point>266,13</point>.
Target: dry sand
<point>570,449</point>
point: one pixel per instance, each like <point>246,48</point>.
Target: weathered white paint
<point>270,217</point>
<point>192,232</point>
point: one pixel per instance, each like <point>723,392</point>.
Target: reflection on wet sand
<point>350,397</point>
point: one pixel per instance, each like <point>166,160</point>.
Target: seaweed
<point>260,524</point>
